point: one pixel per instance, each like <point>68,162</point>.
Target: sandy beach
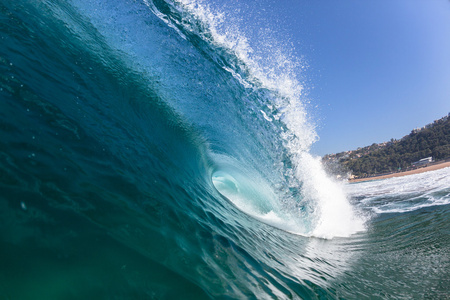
<point>411,172</point>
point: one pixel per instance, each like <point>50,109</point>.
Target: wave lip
<point>278,108</point>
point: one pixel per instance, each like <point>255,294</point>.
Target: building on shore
<point>423,162</point>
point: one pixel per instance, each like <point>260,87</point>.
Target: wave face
<point>147,151</point>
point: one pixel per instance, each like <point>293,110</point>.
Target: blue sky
<point>376,68</point>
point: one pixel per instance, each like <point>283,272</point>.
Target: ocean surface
<point>149,151</point>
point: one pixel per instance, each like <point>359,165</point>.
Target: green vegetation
<point>432,140</point>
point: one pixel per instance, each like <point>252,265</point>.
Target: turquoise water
<point>146,152</point>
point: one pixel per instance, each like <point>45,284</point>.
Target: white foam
<point>336,216</point>
<point>404,194</point>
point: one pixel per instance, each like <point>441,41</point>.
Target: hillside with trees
<point>432,140</point>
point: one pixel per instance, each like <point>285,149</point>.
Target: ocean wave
<point>149,151</point>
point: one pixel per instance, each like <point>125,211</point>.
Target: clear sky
<point>376,68</point>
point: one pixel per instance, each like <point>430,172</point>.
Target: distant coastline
<point>425,146</point>
<point>431,167</point>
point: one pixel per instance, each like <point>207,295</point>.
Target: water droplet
<point>23,206</point>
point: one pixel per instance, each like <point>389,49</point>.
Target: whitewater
<point>149,150</point>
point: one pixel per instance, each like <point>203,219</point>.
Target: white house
<point>423,162</point>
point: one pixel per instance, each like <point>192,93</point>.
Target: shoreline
<point>433,167</point>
